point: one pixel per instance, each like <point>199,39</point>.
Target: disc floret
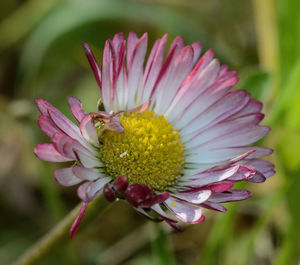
<point>148,152</point>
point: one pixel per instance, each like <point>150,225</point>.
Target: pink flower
<point>172,139</point>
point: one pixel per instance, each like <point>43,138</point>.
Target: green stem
<point>60,233</point>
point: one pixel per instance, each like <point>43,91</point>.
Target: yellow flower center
<point>149,151</point>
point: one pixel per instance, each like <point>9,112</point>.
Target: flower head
<point>172,138</point>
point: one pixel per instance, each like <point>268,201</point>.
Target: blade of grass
<point>162,253</point>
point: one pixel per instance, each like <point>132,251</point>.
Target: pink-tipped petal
<point>178,70</point>
<point>136,51</point>
<point>197,48</point>
<point>47,152</point>
<point>44,106</point>
<point>47,125</point>
<point>59,140</point>
<point>76,108</point>
<point>66,125</point>
<point>91,58</point>
<point>205,178</point>
<point>153,66</point>
<point>244,172</point>
<point>230,196</point>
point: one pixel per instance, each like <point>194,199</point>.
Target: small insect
<point>110,121</point>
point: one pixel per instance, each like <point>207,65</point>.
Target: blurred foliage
<point>41,56</point>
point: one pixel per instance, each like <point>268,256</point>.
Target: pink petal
<point>224,128</point>
<point>185,212</point>
<point>89,131</point>
<point>135,62</point>
<point>253,106</point>
<point>195,197</point>
<point>191,92</point>
<point>88,161</point>
<point>244,172</point>
<point>71,145</point>
<point>176,73</point>
<point>177,45</point>
<point>227,153</point>
<point>264,167</point>
<point>47,125</point>
<point>66,125</point>
<point>245,136</point>
<point>165,70</point>
<point>88,191</point>
<point>93,64</point>
<point>107,75</point>
<point>205,178</point>
<point>76,108</point>
<point>153,66</point>
<point>214,206</point>
<point>220,186</point>
<point>59,140</point>
<point>77,221</point>
<point>44,106</point>
<point>86,173</point>
<point>230,196</point>
<point>65,177</point>
<point>48,152</point>
<point>197,47</point>
<point>231,103</point>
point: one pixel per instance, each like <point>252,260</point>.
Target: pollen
<point>149,151</point>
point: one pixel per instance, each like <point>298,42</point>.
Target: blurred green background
<point>41,56</point>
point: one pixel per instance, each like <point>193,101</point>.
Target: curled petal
<point>48,126</point>
<point>65,177</point>
<point>88,130</point>
<point>49,153</point>
<point>185,212</point>
<point>86,173</point>
<point>230,196</point>
<point>76,108</point>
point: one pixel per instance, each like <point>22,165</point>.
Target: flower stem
<point>60,233</point>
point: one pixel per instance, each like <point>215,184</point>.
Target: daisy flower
<point>171,138</point>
